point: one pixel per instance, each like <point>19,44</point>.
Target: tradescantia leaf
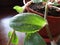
<point>14,38</point>
<point>36,1</point>
<point>34,39</point>
<point>56,4</point>
<point>18,9</point>
<point>27,22</point>
<point>44,0</point>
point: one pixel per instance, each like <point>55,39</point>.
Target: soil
<point>41,9</point>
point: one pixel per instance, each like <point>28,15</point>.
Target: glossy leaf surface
<point>27,22</point>
<point>34,39</point>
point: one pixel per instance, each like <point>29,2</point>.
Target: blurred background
<point>6,12</point>
<point>6,7</point>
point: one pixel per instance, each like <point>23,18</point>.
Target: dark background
<point>6,7</point>
<point>11,2</point>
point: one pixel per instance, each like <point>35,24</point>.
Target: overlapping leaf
<point>14,38</point>
<point>34,39</point>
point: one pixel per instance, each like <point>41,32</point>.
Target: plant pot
<point>54,24</point>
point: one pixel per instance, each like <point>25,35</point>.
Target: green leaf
<point>45,0</point>
<point>10,33</point>
<point>36,1</point>
<point>14,38</point>
<point>27,22</point>
<point>18,9</point>
<point>34,39</point>
<point>56,4</point>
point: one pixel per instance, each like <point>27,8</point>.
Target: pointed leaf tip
<point>18,9</point>
<point>27,22</point>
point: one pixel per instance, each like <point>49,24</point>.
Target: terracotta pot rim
<point>29,9</point>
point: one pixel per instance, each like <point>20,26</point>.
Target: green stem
<point>10,38</point>
<point>47,26</point>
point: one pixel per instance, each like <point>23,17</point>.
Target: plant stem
<point>11,38</point>
<point>47,26</point>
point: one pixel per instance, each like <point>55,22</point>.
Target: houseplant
<point>52,16</point>
<point>24,21</point>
